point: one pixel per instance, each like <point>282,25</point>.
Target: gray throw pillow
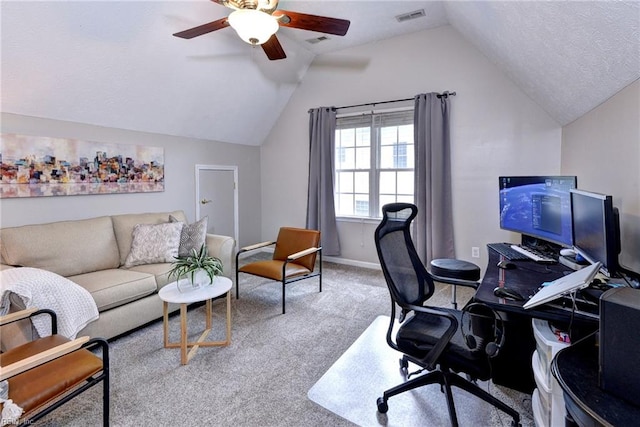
<point>193,236</point>
<point>154,243</point>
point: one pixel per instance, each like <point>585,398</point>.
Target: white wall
<point>495,129</point>
<point>603,149</point>
<point>181,156</point>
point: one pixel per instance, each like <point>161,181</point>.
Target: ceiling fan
<point>256,22</point>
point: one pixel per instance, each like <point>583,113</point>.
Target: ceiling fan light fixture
<point>253,26</point>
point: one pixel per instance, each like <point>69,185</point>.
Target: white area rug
<point>352,385</point>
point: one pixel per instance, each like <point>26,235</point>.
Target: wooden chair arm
<point>41,358</point>
<point>256,246</point>
<point>28,313</point>
<point>302,253</point>
<point>18,315</point>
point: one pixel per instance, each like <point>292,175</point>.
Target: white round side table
<point>171,294</point>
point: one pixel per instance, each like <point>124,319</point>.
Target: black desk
<point>576,369</point>
<point>512,367</point>
<point>526,278</point>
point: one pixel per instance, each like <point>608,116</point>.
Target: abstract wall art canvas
<point>34,166</point>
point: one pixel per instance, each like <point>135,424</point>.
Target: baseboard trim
<point>352,262</point>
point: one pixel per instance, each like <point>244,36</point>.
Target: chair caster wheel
<point>404,368</point>
<point>382,405</point>
<point>404,364</point>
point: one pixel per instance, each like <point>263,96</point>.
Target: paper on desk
<point>571,282</point>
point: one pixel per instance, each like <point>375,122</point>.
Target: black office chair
<point>430,337</point>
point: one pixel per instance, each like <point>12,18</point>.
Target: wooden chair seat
<point>34,389</point>
<point>272,269</point>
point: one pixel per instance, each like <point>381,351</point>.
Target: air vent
<point>411,15</point>
<point>317,39</point>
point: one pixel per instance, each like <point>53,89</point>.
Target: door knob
<point>205,201</point>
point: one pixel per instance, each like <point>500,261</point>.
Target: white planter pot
<point>200,278</point>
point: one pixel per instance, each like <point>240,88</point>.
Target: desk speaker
<point>620,343</point>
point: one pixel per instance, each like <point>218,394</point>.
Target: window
<point>374,162</point>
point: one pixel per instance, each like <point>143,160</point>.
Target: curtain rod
<point>446,93</point>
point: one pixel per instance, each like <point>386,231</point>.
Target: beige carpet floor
<point>263,377</point>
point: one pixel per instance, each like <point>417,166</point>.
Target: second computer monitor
<point>538,206</point>
<point>596,229</point>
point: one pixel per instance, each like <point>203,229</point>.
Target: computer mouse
<point>567,252</point>
<point>508,294</point>
<point>506,265</point>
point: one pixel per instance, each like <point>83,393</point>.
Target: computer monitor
<point>538,206</point>
<point>596,229</point>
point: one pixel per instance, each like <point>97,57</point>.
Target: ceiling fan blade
<point>320,24</point>
<point>273,49</point>
<point>203,29</point>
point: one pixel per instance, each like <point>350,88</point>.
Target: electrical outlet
<point>475,252</point>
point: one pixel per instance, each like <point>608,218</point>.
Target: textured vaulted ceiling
<point>116,64</point>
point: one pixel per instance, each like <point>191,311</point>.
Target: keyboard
<point>506,251</point>
<point>519,253</point>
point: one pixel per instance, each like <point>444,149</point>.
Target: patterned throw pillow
<point>193,235</point>
<point>154,243</point>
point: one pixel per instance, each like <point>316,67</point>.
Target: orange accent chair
<point>294,259</point>
<point>47,372</point>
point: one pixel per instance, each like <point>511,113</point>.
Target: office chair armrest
<point>302,253</point>
<point>432,357</point>
<point>256,246</point>
<point>41,358</point>
<point>452,281</point>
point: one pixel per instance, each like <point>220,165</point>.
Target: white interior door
<point>217,191</point>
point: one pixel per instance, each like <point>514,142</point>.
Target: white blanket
<point>73,304</point>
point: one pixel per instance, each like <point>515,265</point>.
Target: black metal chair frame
<point>102,376</point>
<point>439,372</point>
<point>284,281</point>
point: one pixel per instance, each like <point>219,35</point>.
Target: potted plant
<point>196,267</point>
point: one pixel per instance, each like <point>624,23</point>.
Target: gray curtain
<point>321,213</point>
<point>433,233</point>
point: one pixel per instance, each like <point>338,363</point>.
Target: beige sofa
<point>92,253</point>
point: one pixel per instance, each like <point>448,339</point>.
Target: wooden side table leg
<point>165,326</point>
<point>228,317</point>
<point>208,313</point>
<point>183,334</point>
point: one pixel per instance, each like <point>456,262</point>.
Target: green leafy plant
<point>187,266</point>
